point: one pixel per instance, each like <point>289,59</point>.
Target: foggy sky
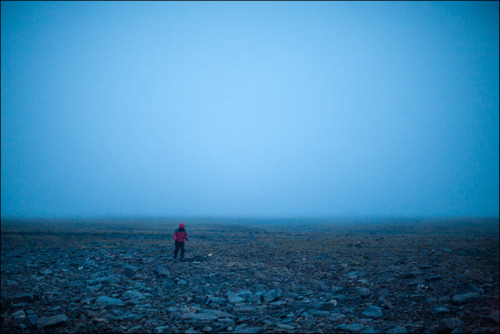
<point>255,109</point>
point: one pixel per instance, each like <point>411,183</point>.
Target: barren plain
<point>250,276</point>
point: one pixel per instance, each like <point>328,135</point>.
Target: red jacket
<point>180,236</point>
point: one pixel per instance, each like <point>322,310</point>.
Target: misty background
<point>249,109</point>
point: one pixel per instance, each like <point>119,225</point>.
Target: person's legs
<point>182,250</point>
<point>177,250</point>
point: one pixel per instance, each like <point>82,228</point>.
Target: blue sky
<point>254,109</point>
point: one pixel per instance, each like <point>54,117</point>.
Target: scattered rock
<point>261,279</point>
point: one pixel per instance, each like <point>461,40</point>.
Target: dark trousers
<point>179,245</point>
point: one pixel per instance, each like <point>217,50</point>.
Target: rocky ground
<point>251,277</point>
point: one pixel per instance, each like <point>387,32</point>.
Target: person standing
<point>180,235</point>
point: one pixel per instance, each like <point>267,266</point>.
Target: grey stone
<point>450,323</point>
<point>244,309</point>
<point>162,329</point>
<point>245,294</point>
<point>444,299</point>
<point>336,289</point>
<point>335,316</point>
<point>363,292</point>
<point>203,317</point>
<point>397,330</point>
<point>373,312</point>
<point>271,295</point>
<point>46,272</point>
<point>464,298</point>
<point>417,297</point>
<point>33,319</point>
<point>95,288</point>
<point>135,328</point>
<point>217,300</point>
<point>494,315</point>
<point>249,330</point>
<point>319,313</point>
<point>56,320</point>
<point>128,271</point>
<point>234,299</point>
<point>19,315</point>
<point>133,294</point>
<point>253,299</point>
<point>286,327</point>
<point>162,271</point>
<point>21,298</point>
<point>369,330</point>
<point>433,278</point>
<point>109,301</point>
<point>384,292</point>
<point>353,328</point>
<point>440,310</point>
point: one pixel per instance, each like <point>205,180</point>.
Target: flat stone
<point>336,289</point>
<point>19,315</point>
<point>286,327</point>
<point>450,324</point>
<point>248,330</point>
<point>397,330</point>
<point>203,317</point>
<point>46,272</point>
<point>162,271</point>
<point>271,295</point>
<point>244,309</point>
<point>373,312</point>
<point>245,294</point>
<point>21,298</point>
<point>353,328</point>
<point>108,301</point>
<point>133,294</point>
<point>217,300</point>
<point>162,329</point>
<point>234,299</point>
<point>433,278</point>
<point>440,310</point>
<point>464,298</point>
<point>33,319</point>
<point>56,320</point>
<point>128,271</point>
<point>319,313</point>
<point>363,292</point>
